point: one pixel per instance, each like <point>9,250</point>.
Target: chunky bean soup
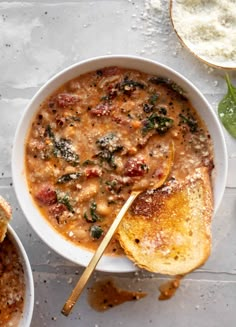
<point>12,286</point>
<point>98,135</point>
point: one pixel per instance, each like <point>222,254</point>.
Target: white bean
<point>80,234</point>
<point>103,209</point>
<point>88,191</point>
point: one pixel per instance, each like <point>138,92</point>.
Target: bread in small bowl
<point>17,286</point>
<point>172,234</point>
<point>5,216</point>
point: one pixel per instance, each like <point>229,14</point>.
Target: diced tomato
<point>46,195</point>
<point>102,109</point>
<point>57,209</point>
<point>111,92</point>
<point>66,100</point>
<point>120,120</point>
<point>158,173</point>
<point>117,183</point>
<point>93,172</point>
<point>135,167</point>
<point>110,71</point>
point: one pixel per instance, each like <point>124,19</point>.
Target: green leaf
<point>170,84</point>
<point>109,146</point>
<point>227,108</point>
<point>63,149</point>
<point>93,216</point>
<point>68,177</point>
<point>160,123</point>
<point>96,231</point>
<point>190,121</point>
<point>49,132</point>
<point>129,84</point>
<point>65,199</point>
<point>153,98</point>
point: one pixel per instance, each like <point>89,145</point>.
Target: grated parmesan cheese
<point>208,28</point>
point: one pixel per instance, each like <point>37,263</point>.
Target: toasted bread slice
<point>5,216</point>
<point>169,231</point>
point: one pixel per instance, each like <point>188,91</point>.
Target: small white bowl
<point>66,248</point>
<point>28,276</point>
<point>194,47</point>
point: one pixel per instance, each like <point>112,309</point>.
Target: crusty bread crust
<point>5,216</point>
<point>169,231</point>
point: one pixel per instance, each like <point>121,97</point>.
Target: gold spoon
<point>139,188</point>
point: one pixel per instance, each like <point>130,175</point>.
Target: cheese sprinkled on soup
<point>97,136</point>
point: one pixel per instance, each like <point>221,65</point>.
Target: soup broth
<point>98,135</point>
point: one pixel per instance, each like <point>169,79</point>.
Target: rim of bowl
<point>28,276</point>
<point>52,238</point>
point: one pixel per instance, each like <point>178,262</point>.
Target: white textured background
<point>37,40</point>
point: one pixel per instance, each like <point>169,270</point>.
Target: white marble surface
<point>37,40</point>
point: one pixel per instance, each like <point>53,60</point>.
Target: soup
<point>99,135</point>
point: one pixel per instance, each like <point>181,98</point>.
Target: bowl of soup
<point>93,131</point>
<point>17,287</point>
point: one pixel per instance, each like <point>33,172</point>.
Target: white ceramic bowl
<point>29,283</point>
<point>39,224</point>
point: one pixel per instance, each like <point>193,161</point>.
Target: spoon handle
<point>96,257</point>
